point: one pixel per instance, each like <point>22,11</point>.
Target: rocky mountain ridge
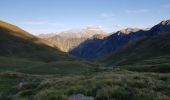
<point>92,49</point>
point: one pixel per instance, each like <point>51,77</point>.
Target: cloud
<point>107,15</point>
<point>138,11</point>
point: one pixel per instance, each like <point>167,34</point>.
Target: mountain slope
<point>17,42</point>
<point>148,54</point>
<point>23,52</point>
<point>68,40</point>
<point>64,44</point>
<point>157,40</point>
<point>141,49</point>
<point>86,32</point>
<point>93,49</point>
<point>145,54</point>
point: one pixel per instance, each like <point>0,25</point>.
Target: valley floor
<point>110,85</point>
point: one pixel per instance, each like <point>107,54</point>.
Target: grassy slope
<point>23,52</point>
<point>16,42</point>
<point>149,54</point>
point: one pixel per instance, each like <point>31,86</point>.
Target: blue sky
<point>46,16</point>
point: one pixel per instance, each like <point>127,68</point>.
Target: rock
<point>80,97</point>
<point>20,85</point>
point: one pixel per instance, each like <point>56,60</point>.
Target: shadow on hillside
<point>94,48</point>
<point>32,48</point>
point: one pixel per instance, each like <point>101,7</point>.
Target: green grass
<point>38,67</point>
<point>122,85</point>
<point>9,85</point>
<point>109,86</point>
<point>59,67</point>
<point>148,54</point>
<point>156,64</point>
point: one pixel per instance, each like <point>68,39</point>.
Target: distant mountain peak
<point>129,30</point>
<point>161,28</point>
<point>70,39</point>
<point>165,22</point>
<point>86,32</point>
<point>99,36</point>
<point>98,47</point>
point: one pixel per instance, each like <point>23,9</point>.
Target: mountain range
<point>68,40</point>
<point>119,48</point>
<point>94,65</point>
<point>97,48</point>
<point>145,49</point>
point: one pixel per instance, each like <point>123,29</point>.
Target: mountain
<point>23,77</point>
<point>22,52</point>
<point>147,54</point>
<point>86,32</point>
<point>141,49</point>
<point>99,36</point>
<point>65,45</point>
<point>128,30</point>
<point>17,42</point>
<point>66,41</point>
<point>96,48</point>
<point>162,27</point>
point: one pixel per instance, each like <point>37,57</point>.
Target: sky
<point>49,16</point>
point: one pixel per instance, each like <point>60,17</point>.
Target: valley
<point>131,64</point>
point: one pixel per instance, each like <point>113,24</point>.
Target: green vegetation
<point>23,52</point>
<point>148,54</point>
<point>122,85</point>
<point>31,69</point>
<point>43,68</point>
<point>9,85</point>
<point>156,64</point>
<point>16,42</point>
